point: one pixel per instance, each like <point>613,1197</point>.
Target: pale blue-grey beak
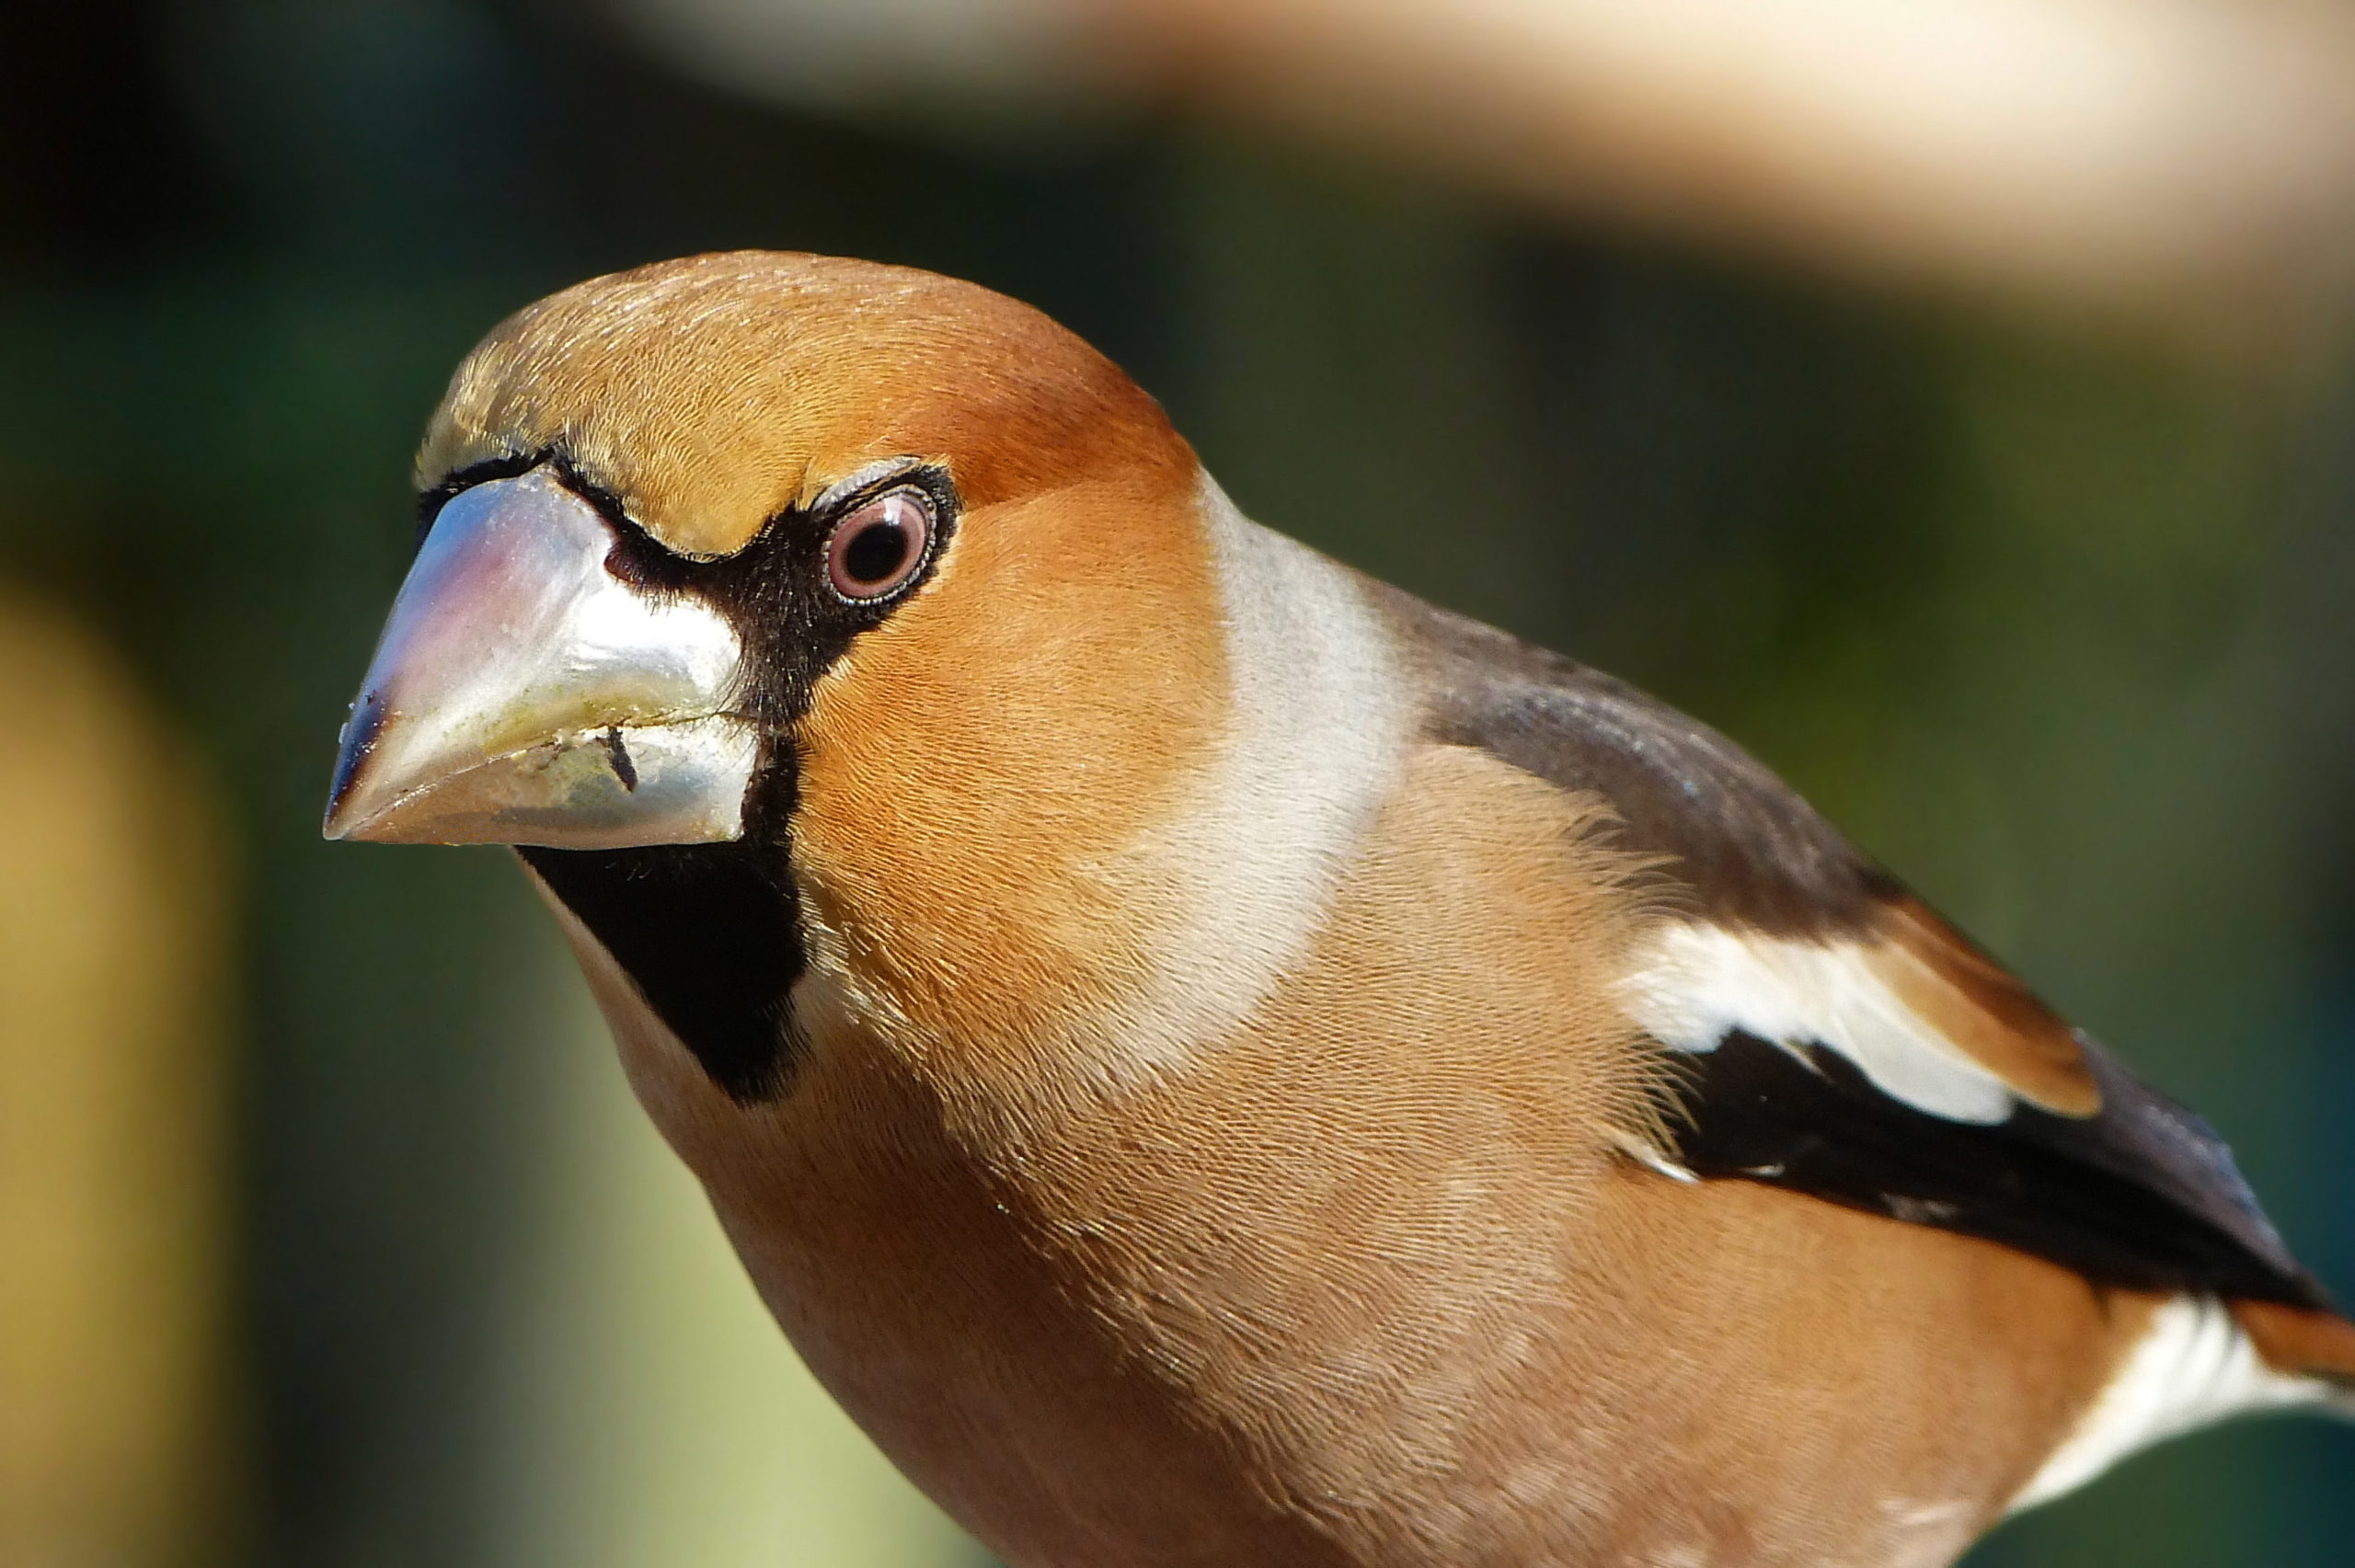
<point>522,693</point>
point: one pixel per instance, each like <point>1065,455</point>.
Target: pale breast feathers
<point>1841,1039</point>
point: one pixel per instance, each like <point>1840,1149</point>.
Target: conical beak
<point>522,693</point>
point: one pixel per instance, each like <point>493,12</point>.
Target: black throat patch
<point>712,933</point>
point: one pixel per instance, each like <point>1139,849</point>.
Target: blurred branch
<point>116,1445</point>
<point>2188,163</point>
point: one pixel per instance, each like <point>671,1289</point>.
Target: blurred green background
<point>2060,627</point>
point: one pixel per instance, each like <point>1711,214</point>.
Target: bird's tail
<point>2304,1342</point>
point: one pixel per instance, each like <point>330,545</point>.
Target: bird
<point>1211,1059</point>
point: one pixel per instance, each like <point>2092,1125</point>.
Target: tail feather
<point>2304,1342</point>
<point>2201,1361</point>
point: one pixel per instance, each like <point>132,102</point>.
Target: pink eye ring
<point>876,550</point>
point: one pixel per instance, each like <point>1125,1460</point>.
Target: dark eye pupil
<point>875,552</point>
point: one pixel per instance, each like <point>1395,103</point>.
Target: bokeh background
<point>1992,474</point>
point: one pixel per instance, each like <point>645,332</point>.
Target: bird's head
<point>754,558</point>
<point>689,528</point>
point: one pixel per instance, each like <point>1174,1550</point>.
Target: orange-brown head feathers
<point>708,395</point>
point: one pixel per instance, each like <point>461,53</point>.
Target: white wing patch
<point>1700,981</point>
<point>2194,1367</point>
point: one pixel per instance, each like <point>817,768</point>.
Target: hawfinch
<point>1214,1061</point>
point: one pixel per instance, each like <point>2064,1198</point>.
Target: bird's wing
<point>1844,1040</point>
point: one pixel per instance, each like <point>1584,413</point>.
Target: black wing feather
<point>2143,1196</point>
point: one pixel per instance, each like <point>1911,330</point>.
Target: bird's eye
<point>875,550</point>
